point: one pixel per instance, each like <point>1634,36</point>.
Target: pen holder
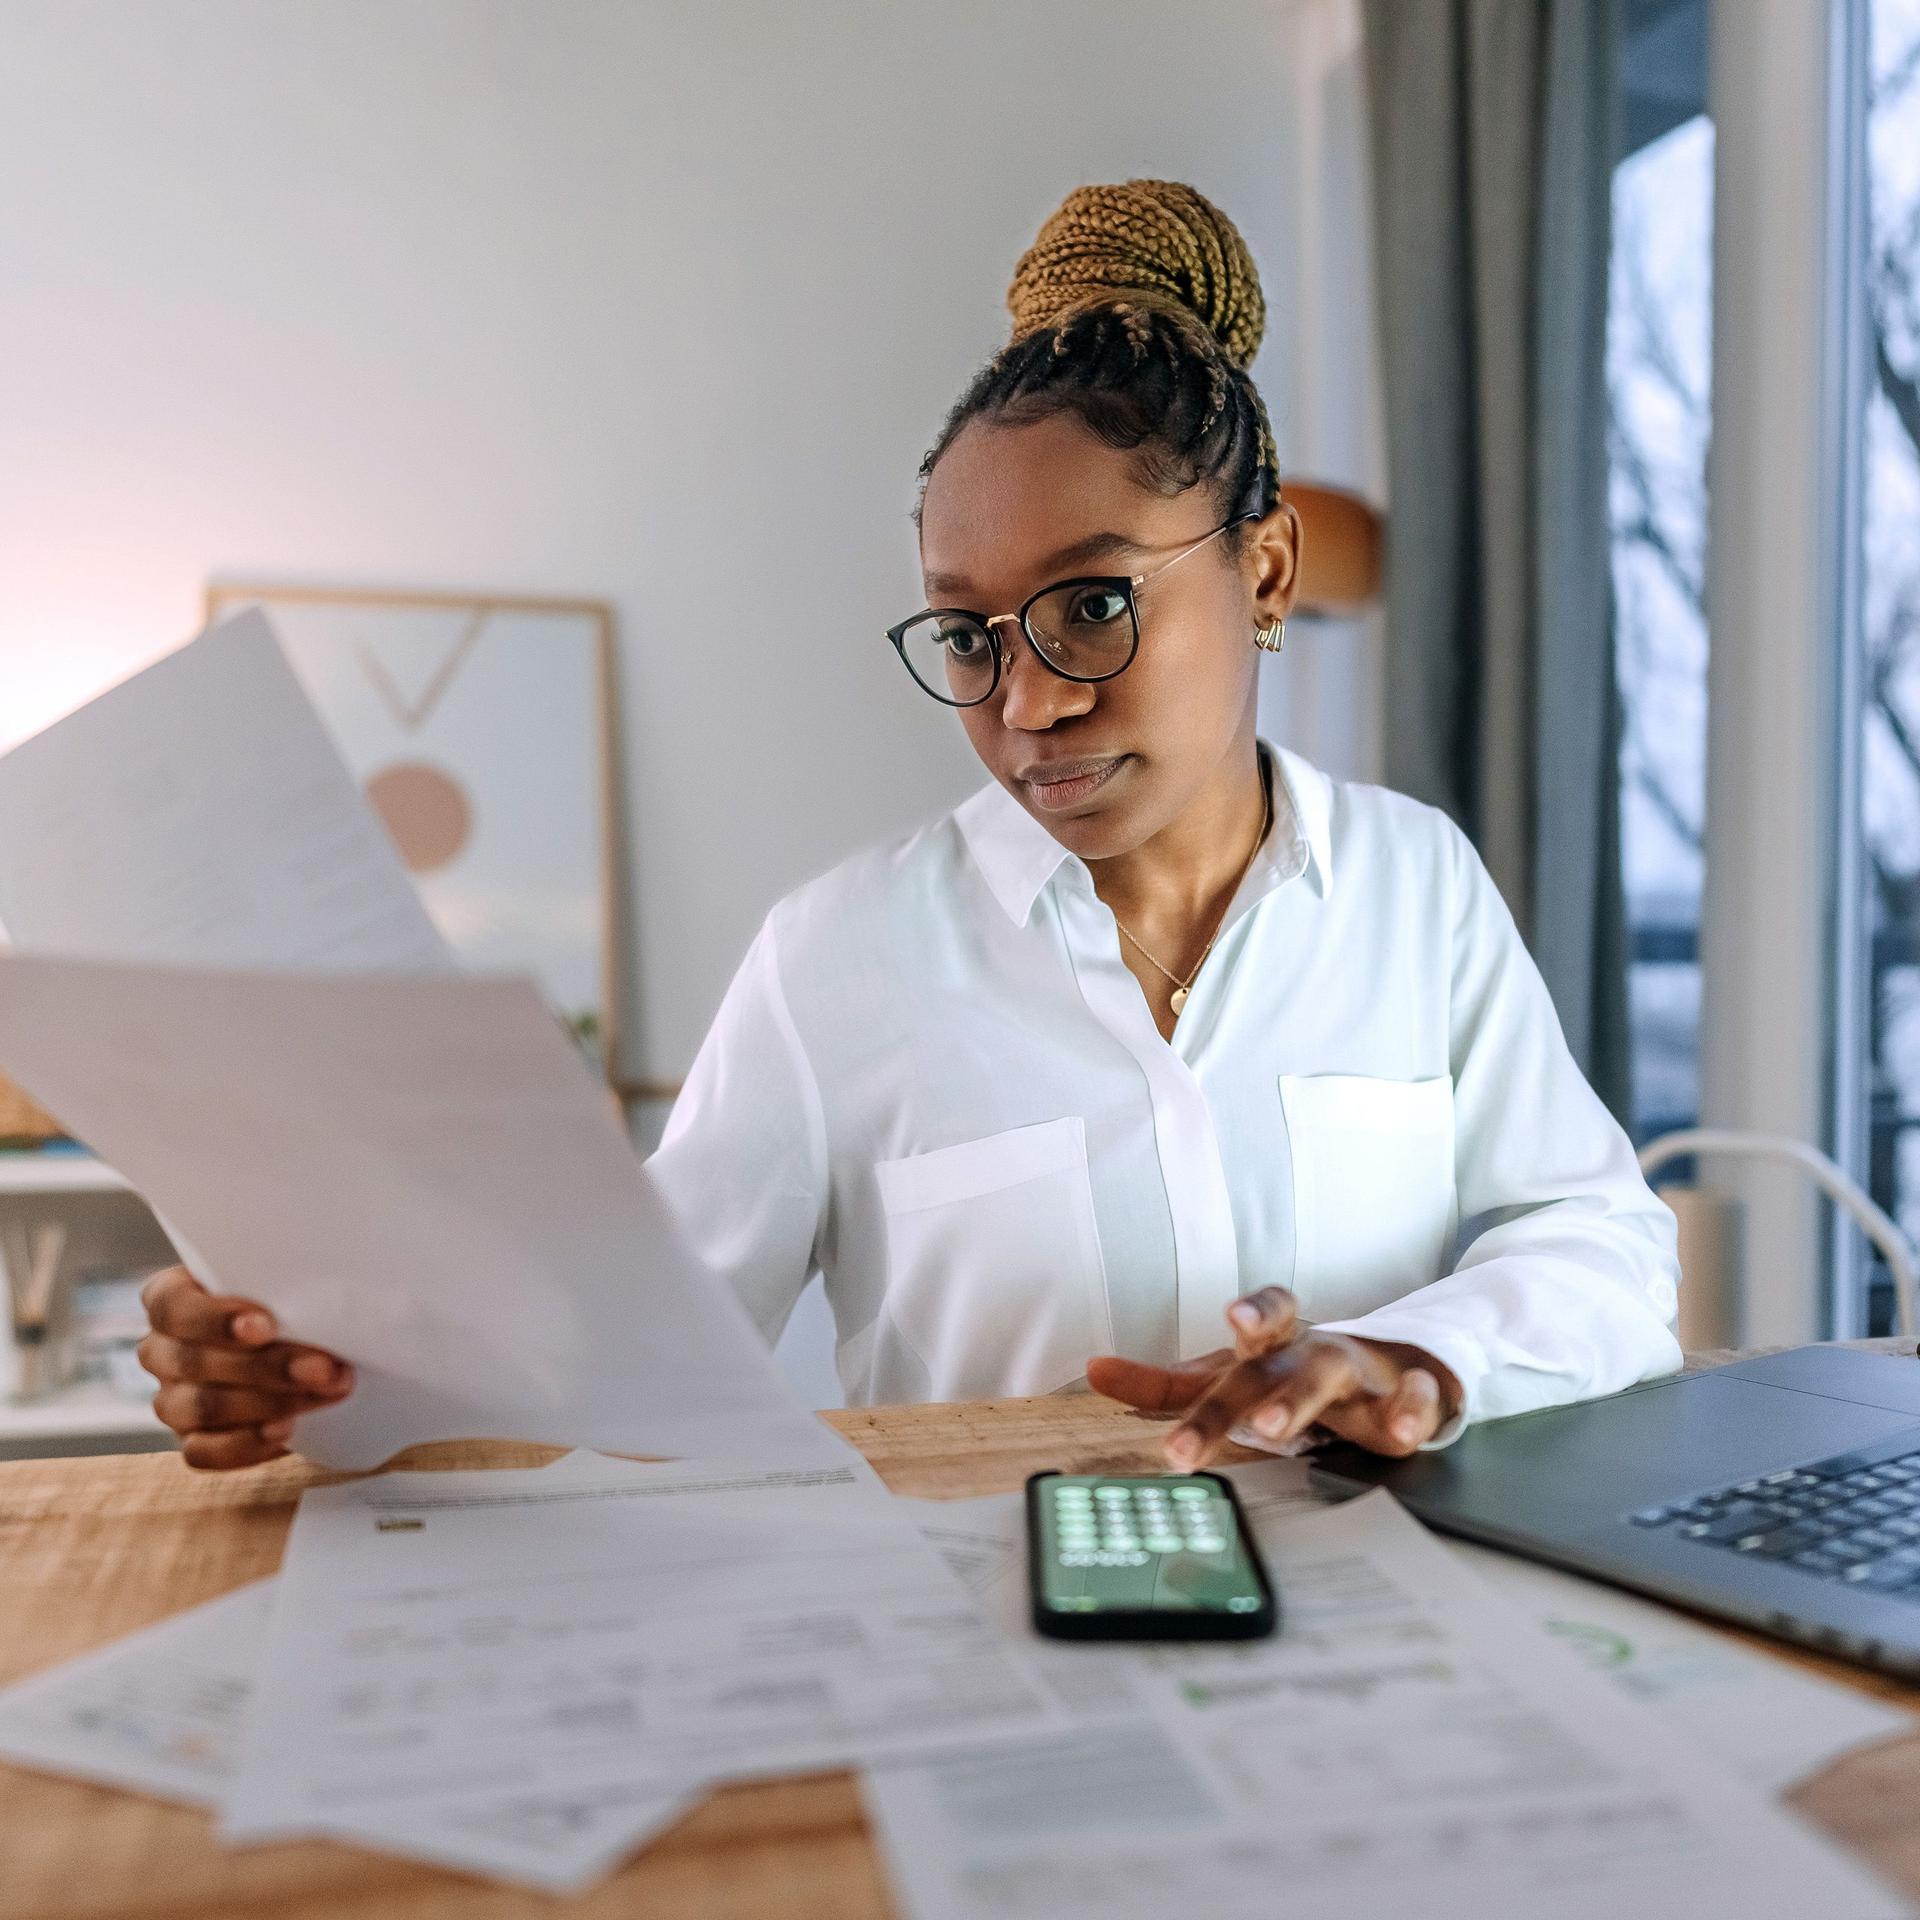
<point>38,1370</point>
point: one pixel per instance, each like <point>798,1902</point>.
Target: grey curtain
<point>1494,134</point>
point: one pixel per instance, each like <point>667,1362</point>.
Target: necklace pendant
<point>1179,998</point>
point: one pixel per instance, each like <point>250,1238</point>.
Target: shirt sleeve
<point>742,1162</point>
<point>1570,1288</point>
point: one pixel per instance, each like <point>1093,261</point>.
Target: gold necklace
<point>1181,987</point>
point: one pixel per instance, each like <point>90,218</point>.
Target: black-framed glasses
<point>1087,628</point>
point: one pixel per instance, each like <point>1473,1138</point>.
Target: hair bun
<point>1154,242</point>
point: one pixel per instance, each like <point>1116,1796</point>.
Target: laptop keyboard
<point>1854,1518</point>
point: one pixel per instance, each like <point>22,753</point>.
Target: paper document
<point>199,813</point>
<point>440,1634</point>
<point>1406,1741</point>
<point>160,1712</point>
<point>419,1174</point>
<point>1772,1723</point>
<point>958,1831</point>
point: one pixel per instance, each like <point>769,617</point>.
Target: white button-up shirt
<point>934,1081</point>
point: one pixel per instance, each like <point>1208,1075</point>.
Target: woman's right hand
<point>229,1387</point>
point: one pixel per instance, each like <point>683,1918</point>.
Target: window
<point>1889,717</point>
<point>1659,336</point>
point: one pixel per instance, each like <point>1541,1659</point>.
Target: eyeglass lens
<point>1085,631</point>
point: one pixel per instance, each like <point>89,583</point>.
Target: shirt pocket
<point>1374,1203</point>
<point>994,1272</point>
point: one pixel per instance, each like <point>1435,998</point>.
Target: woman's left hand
<point>1280,1379</point>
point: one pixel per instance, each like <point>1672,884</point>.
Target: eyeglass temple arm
<point>1139,580</point>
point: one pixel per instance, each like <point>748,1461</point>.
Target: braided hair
<point>1138,308</point>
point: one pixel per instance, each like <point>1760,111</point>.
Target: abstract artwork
<point>481,728</point>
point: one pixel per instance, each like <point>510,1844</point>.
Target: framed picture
<point>482,728</point>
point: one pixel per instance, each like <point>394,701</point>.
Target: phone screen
<point>1119,1547</point>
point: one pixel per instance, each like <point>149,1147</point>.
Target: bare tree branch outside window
<point>1659,387</point>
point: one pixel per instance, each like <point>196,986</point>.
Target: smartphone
<point>1115,1556</point>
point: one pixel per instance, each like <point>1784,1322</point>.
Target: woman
<point>1161,1025</point>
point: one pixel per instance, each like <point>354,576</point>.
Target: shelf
<point>89,1419</point>
<point>30,1172</point>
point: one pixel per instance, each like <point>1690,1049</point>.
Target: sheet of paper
<point>160,1712</point>
<point>157,1711</point>
<point>1407,1741</point>
<point>560,1841</point>
<point>419,1174</point>
<point>198,813</point>
<point>1772,1723</point>
<point>959,1831</point>
<point>440,1634</point>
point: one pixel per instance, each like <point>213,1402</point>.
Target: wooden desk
<point>90,1549</point>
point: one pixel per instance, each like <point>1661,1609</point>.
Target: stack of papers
<point>1407,1742</point>
<point>420,1175</point>
<point>225,984</point>
<point>529,1674</point>
<point>532,1675</point>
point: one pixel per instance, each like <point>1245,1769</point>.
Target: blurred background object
<point>22,1123</point>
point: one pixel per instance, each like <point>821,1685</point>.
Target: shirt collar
<point>1017,856</point>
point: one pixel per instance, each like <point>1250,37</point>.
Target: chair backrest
<point>1340,549</point>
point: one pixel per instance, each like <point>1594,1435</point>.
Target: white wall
<point>660,303</point>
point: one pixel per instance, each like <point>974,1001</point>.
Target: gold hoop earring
<point>1271,638</point>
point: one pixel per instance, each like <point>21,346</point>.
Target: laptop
<point>1783,1493</point>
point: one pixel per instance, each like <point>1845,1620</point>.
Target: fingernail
<point>312,1370</point>
<point>277,1430</point>
<point>1183,1449</point>
<point>252,1327</point>
<point>1244,1316</point>
<point>1405,1429</point>
<point>1271,1422</point>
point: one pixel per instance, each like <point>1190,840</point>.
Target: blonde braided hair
<point>1139,307</point>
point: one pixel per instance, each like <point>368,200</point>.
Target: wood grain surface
<point>93,1548</point>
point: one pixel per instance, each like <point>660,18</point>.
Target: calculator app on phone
<point>1143,1556</point>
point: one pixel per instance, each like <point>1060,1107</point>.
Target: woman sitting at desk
<point>1162,1029</point>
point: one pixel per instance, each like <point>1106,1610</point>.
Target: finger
<point>1292,1376</point>
<point>192,1409</point>
<point>179,1305</point>
<point>241,1447</point>
<point>1263,1321</point>
<point>1155,1389</point>
<point>1282,1394</point>
<point>1395,1423</point>
<point>276,1367</point>
<point>1413,1414</point>
<point>1342,1372</point>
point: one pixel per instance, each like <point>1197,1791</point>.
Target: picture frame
<point>484,730</point>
